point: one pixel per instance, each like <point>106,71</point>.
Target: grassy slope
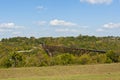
<point>75,72</point>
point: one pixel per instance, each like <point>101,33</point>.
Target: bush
<point>67,58</point>
<point>101,58</point>
<point>63,59</point>
<point>16,59</point>
<point>12,60</point>
<point>56,60</point>
<point>119,59</point>
<point>113,56</point>
<point>108,60</point>
<point>37,60</point>
<point>5,62</point>
<point>84,59</point>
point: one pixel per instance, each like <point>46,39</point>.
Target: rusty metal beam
<point>50,49</point>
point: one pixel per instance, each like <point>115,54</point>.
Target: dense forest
<point>27,52</point>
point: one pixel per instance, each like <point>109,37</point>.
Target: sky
<point>56,18</point>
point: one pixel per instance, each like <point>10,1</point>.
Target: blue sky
<point>42,18</point>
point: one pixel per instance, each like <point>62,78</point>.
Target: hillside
<point>25,52</point>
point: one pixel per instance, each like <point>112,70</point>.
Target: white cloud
<point>100,30</point>
<point>4,30</point>
<point>66,30</point>
<point>9,26</point>
<point>57,22</point>
<point>97,1</point>
<point>41,23</point>
<point>111,25</point>
<point>40,7</point>
<point>16,33</point>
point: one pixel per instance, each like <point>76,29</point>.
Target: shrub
<point>84,59</point>
<point>63,59</point>
<point>56,60</point>
<point>12,60</point>
<point>119,59</point>
<point>108,60</point>
<point>16,59</point>
<point>5,62</point>
<point>113,56</point>
<point>101,58</point>
<point>67,58</point>
<point>37,60</point>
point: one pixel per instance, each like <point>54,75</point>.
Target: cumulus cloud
<point>100,30</point>
<point>41,23</point>
<point>57,22</point>
<point>97,1</point>
<point>9,26</point>
<point>16,33</point>
<point>111,25</point>
<point>4,30</point>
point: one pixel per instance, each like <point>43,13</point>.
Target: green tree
<point>113,56</point>
<point>5,62</point>
<point>16,59</point>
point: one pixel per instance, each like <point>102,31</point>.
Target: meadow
<point>69,72</point>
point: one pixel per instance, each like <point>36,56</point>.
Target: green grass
<point>73,77</point>
<point>74,72</point>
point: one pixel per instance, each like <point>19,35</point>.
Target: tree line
<point>27,52</point>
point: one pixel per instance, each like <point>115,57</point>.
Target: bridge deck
<point>50,49</point>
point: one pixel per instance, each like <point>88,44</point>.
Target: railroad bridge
<point>50,50</point>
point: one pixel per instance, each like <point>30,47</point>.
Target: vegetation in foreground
<point>27,52</point>
<point>74,72</point>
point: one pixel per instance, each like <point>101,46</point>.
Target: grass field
<point>74,72</point>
